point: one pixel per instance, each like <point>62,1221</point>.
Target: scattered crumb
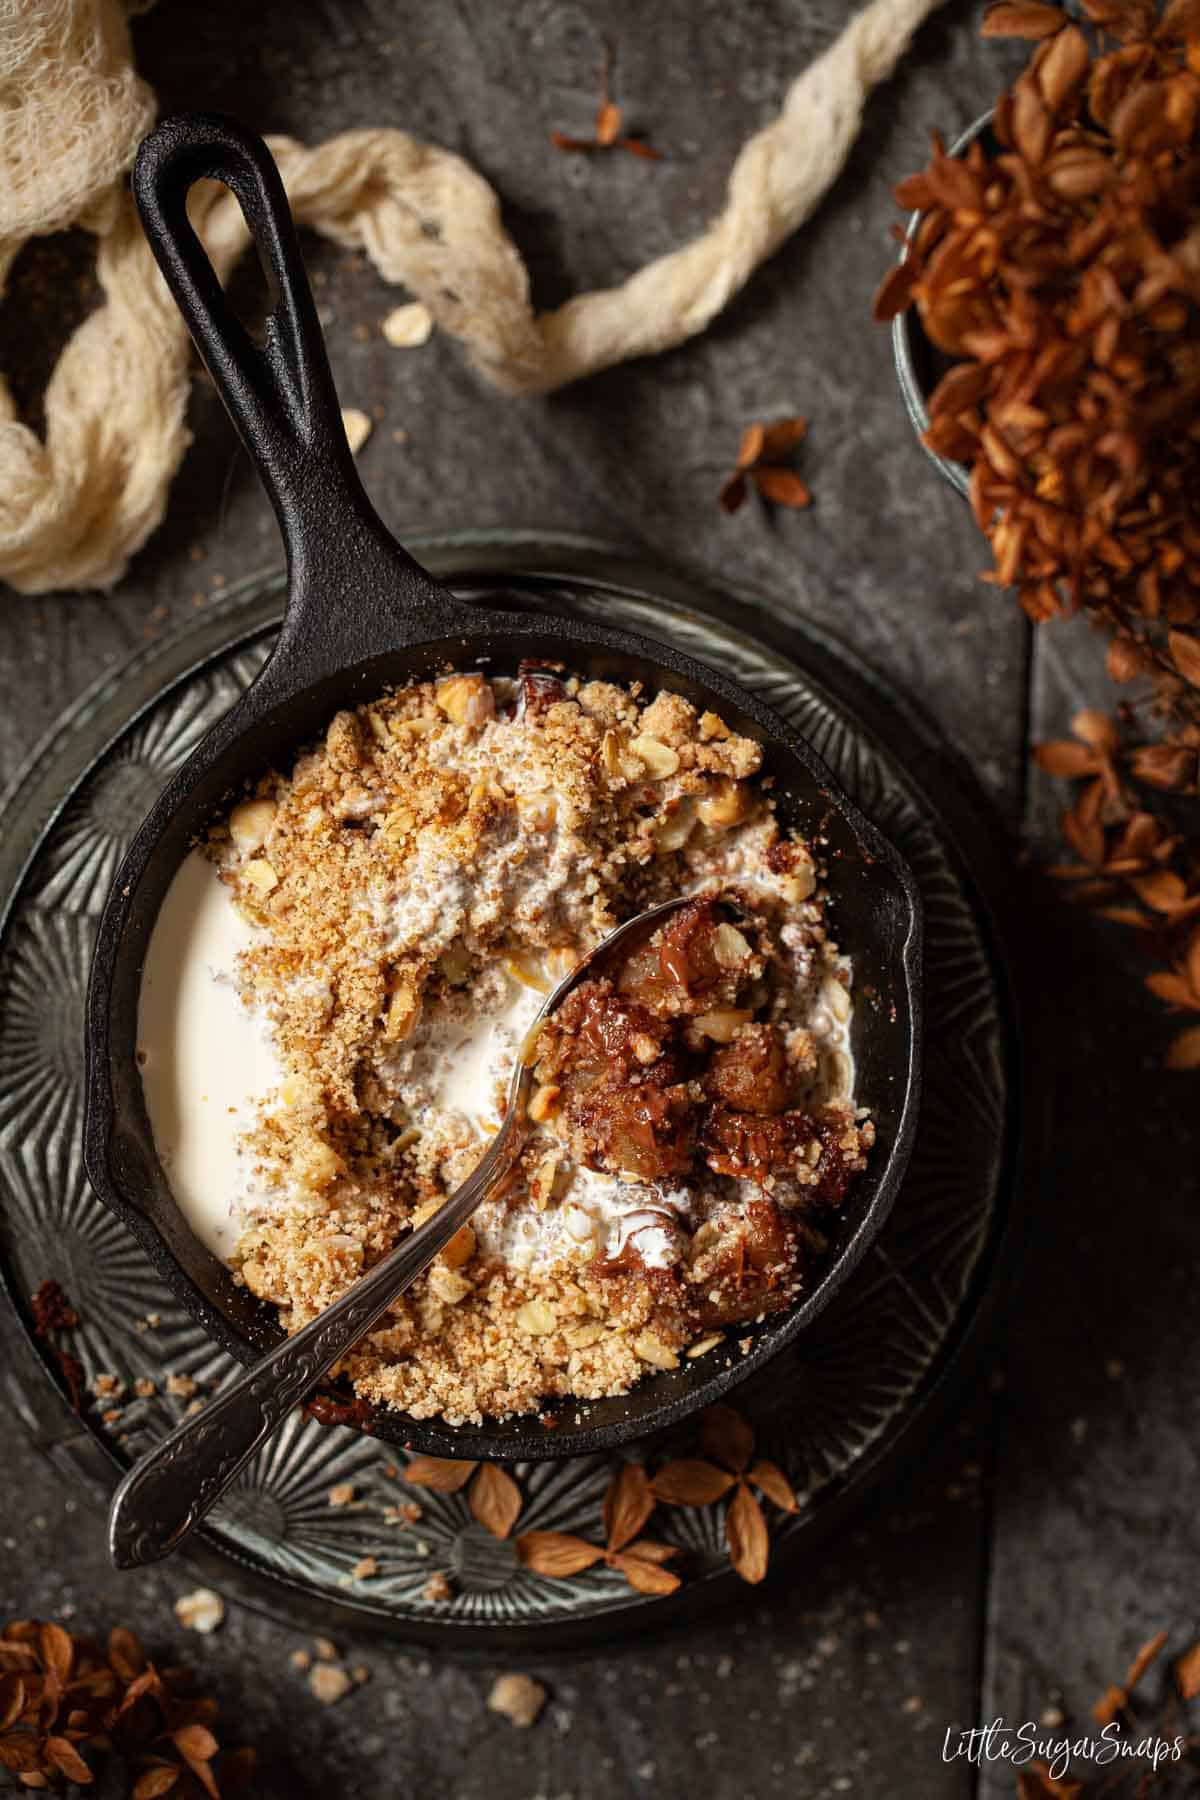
<point>365,1567</point>
<point>357,425</point>
<point>108,1387</point>
<point>360,1674</point>
<point>517,1698</point>
<point>144,1388</point>
<point>325,1648</point>
<point>329,1684</point>
<point>201,1610</point>
<point>342,1494</point>
<point>437,1588</point>
<point>300,1659</point>
<point>182,1387</point>
<point>406,327</point>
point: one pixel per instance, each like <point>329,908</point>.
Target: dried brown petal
<point>896,290</point>
<point>643,1574</point>
<point>770,1480</point>
<point>1063,67</point>
<point>747,1536</point>
<point>1037,1783</point>
<point>62,1755</point>
<point>1162,891</point>
<point>495,1500</point>
<point>628,1504</point>
<point>781,438</point>
<point>751,446</point>
<point>439,1473</point>
<point>1185,654</point>
<point>1187,1673</point>
<point>733,494</point>
<point>195,1742</point>
<point>57,1650</point>
<point>1112,1701</point>
<point>782,487</point>
<point>1022,19</point>
<point>1166,985</point>
<point>1147,1654</point>
<point>556,1553</point>
<point>608,123</point>
<point>1065,758</point>
<point>1184,1051</point>
<point>13,1695</point>
<point>727,1437</point>
<point>125,1653</point>
<point>688,1481</point>
<point>151,1784</point>
<point>1096,728</point>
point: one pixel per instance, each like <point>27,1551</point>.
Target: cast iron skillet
<point>361,615</point>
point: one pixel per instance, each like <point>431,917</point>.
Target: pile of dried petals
<point>1131,862</point>
<point>66,1704</point>
<point>1061,267</point>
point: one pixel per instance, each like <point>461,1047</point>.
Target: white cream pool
<point>207,1061</point>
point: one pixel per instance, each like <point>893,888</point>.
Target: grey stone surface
<point>1067,1539</point>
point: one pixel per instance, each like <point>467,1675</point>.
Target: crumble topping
<point>419,882</point>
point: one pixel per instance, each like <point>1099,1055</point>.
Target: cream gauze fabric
<point>76,504</point>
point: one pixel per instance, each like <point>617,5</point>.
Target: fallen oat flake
<point>201,1610</point>
<point>329,1684</point>
<point>518,1698</point>
<point>407,327</point>
<point>357,426</point>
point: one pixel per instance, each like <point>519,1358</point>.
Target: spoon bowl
<point>362,616</point>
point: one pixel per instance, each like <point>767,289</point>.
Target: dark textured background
<point>1050,1529</point>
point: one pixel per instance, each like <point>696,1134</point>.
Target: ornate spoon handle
<point>172,1488</point>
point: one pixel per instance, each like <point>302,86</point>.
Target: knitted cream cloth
<point>74,507</point>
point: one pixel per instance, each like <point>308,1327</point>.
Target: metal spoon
<point>173,1487</point>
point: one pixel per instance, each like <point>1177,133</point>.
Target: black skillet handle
<point>343,563</point>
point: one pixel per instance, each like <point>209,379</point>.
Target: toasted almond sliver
<point>729,946</point>
<point>651,1349</point>
<point>705,1344</point>
<point>537,1317</point>
<point>721,1025</point>
<point>658,757</point>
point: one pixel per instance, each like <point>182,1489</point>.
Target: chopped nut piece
<point>260,876</point>
<point>201,1610</point>
<point>517,1698</point>
<point>460,1249</point>
<point>726,805</point>
<point>541,1106</point>
<point>342,1494</point>
<point>250,824</point>
<point>658,757</point>
<point>466,700</point>
<point>706,1344</point>
<point>537,1317</point>
<point>448,1285</point>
